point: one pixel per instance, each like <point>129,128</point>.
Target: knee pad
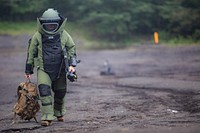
<point>60,94</point>
<point>44,90</point>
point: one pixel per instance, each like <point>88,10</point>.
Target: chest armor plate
<point>52,54</point>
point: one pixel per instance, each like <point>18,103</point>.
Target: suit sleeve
<point>31,54</point>
<point>71,50</point>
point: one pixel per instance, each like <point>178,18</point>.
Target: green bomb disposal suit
<point>45,51</point>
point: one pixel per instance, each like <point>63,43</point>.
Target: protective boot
<point>46,123</point>
<point>61,119</point>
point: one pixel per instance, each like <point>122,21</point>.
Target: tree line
<point>115,19</point>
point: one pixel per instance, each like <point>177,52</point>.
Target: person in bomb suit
<point>45,51</point>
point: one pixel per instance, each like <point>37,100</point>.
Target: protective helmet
<point>50,20</point>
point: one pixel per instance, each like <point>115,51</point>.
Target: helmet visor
<point>51,27</point>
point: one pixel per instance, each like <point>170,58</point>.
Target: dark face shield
<point>51,27</point>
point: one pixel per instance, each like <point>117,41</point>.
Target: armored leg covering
<point>59,88</point>
<point>59,103</point>
<point>44,87</point>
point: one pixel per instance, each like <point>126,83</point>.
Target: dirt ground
<point>155,89</point>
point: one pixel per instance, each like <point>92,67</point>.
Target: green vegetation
<point>111,23</point>
<point>85,36</point>
<point>17,28</point>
